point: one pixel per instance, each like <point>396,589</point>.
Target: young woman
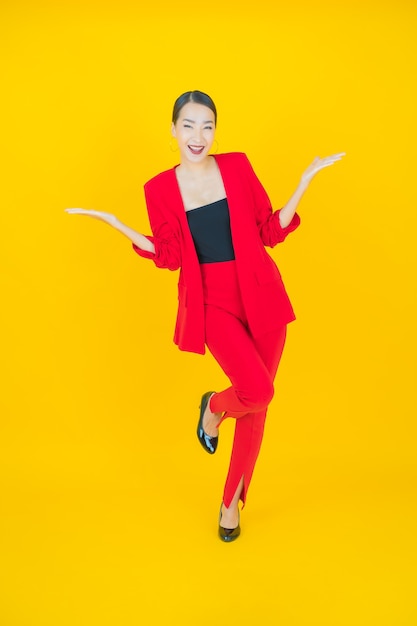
<point>211,218</point>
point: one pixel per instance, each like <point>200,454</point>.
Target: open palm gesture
<point>108,218</point>
<point>319,164</point>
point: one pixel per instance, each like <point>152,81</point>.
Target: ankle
<point>232,508</point>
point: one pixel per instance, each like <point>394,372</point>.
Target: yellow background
<point>109,505</point>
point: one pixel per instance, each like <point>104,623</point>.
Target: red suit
<point>260,305</point>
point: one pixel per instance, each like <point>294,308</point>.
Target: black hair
<point>198,97</point>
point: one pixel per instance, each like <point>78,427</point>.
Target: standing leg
<point>251,366</point>
<point>249,429</point>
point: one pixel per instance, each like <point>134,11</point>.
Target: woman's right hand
<point>142,242</point>
<point>108,218</point>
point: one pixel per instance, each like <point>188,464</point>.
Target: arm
<point>163,248</point>
<point>139,240</point>
<point>287,213</point>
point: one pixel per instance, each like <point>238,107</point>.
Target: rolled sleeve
<point>166,255</point>
<point>271,230</point>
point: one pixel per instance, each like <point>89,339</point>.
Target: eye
<point>187,126</point>
<point>208,128</point>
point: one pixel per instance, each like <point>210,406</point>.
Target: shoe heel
<point>228,534</point>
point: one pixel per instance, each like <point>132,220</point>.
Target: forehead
<point>196,112</point>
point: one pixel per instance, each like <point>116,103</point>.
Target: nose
<point>198,134</point>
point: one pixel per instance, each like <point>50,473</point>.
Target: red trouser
<point>250,364</point>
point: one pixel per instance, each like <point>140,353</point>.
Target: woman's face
<point>194,131</point>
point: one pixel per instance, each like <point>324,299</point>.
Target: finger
<point>315,162</point>
<point>336,157</point>
<point>329,161</point>
<point>81,211</point>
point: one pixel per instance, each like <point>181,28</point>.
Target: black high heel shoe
<point>228,534</point>
<point>209,443</point>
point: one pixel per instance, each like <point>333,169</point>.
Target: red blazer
<point>253,225</point>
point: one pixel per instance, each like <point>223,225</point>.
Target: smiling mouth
<point>196,149</point>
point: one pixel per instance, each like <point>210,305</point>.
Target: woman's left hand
<point>319,164</point>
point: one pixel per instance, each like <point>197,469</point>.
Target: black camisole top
<point>210,230</point>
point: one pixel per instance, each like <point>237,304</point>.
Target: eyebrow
<point>193,121</point>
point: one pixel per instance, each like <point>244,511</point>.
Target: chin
<point>196,158</point>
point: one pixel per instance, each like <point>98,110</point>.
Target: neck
<point>197,168</point>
